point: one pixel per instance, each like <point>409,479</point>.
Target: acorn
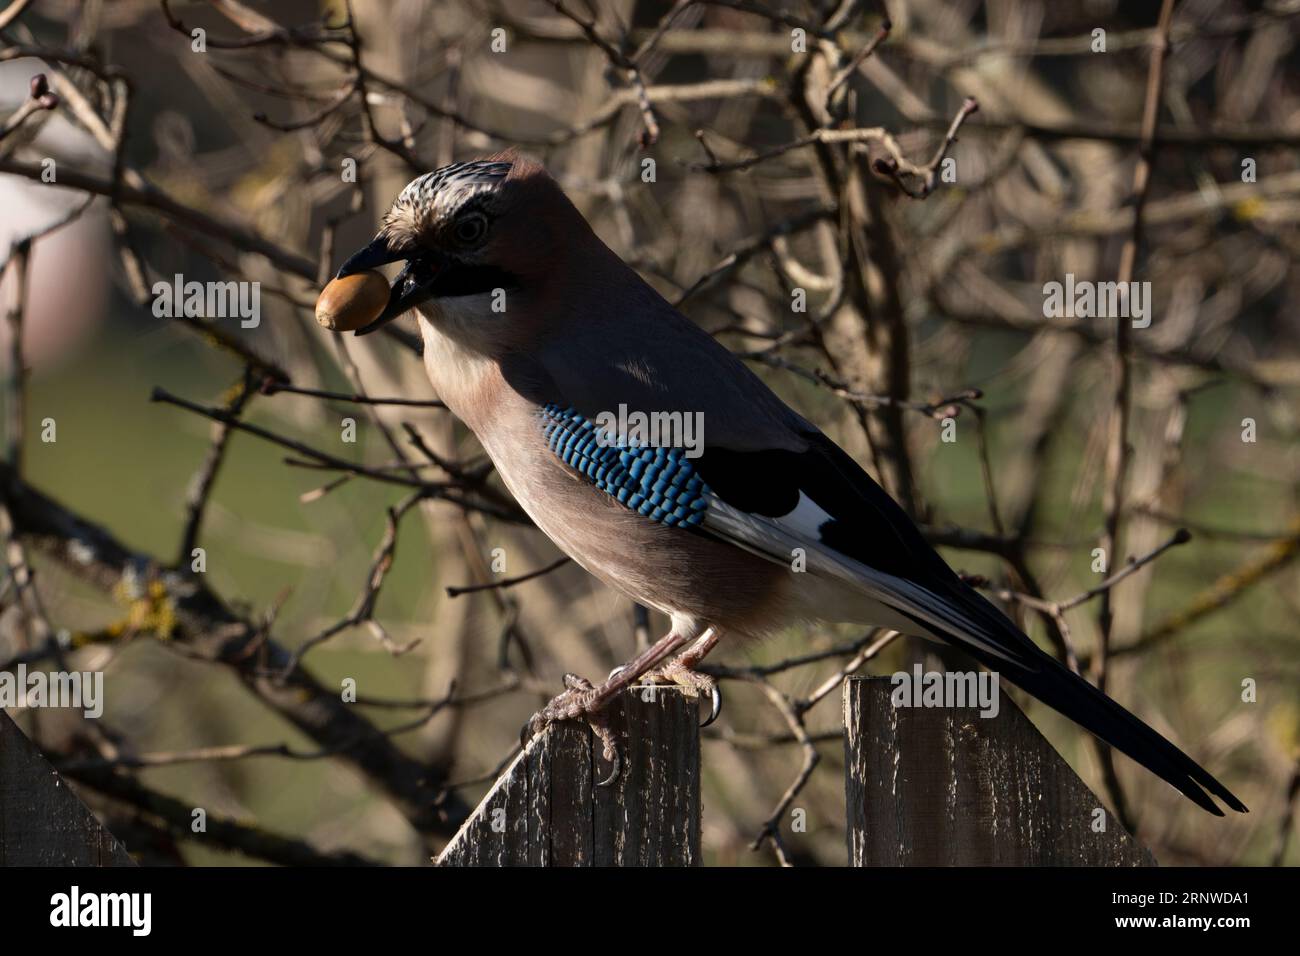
<point>352,302</point>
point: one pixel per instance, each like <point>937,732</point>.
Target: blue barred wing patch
<point>660,483</point>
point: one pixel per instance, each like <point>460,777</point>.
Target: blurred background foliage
<point>1224,346</point>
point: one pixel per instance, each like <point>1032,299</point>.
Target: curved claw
<point>617,762</point>
<point>526,733</point>
<point>715,706</point>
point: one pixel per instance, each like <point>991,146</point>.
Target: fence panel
<point>931,786</point>
<point>545,809</point>
<point>42,822</point>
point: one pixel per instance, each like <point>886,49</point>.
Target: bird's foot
<point>680,672</point>
<point>580,700</point>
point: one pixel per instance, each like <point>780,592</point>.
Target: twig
<point>273,387</point>
<point>895,167</point>
<point>20,259</point>
<point>1284,825</point>
<point>1117,451</point>
<point>13,12</point>
<point>625,63</point>
<point>204,479</point>
<point>1227,589</point>
<point>506,582</point>
<point>363,610</point>
<point>858,58</point>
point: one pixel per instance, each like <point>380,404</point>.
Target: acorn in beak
<point>416,283</point>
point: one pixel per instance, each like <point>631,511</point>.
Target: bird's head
<point>467,232</point>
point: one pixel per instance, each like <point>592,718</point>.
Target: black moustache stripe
<point>458,280</point>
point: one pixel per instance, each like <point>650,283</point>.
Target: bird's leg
<point>681,671</point>
<point>581,699</point>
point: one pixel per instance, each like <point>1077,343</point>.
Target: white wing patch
<point>806,519</point>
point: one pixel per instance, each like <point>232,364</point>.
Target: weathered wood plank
<point>42,822</point>
<point>930,786</point>
<point>545,809</point>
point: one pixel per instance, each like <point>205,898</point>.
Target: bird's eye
<point>471,229</point>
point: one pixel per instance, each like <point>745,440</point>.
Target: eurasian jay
<point>534,329</point>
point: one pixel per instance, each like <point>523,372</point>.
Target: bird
<point>535,331</point>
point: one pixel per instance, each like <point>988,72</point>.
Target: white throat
<point>456,333</point>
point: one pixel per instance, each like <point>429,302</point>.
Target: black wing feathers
<point>867,525</point>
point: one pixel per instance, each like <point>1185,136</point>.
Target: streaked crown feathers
<point>430,200</point>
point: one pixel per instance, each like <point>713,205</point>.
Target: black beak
<point>413,285</point>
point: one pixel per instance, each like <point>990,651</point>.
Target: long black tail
<point>1070,695</point>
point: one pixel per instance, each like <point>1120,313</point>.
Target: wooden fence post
<point>939,786</point>
<point>42,822</point>
<point>545,809</point>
